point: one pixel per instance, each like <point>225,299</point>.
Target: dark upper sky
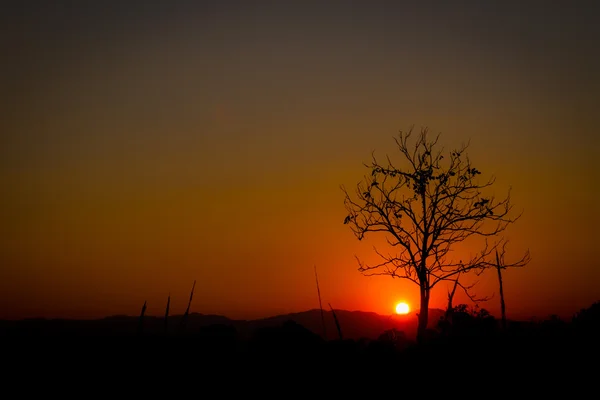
<point>146,144</point>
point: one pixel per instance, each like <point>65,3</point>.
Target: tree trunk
<point>423,315</point>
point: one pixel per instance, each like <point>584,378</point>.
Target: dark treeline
<point>472,337</point>
<point>471,354</point>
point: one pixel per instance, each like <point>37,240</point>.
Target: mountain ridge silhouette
<point>354,324</point>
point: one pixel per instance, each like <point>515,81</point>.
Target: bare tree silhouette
<point>502,264</point>
<point>424,208</point>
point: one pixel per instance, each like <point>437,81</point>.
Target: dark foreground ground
<point>470,357</point>
<point>539,360</point>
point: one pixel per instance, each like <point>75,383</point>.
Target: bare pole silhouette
<point>426,207</point>
<point>500,265</point>
<point>320,305</point>
<point>187,310</point>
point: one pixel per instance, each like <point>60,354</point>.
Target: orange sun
<point>402,308</point>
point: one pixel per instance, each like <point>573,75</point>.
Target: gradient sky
<point>147,144</point>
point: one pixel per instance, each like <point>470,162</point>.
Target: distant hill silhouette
<point>354,324</point>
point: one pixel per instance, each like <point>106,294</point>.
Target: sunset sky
<point>149,144</point>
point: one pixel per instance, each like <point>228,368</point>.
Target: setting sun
<point>402,308</point>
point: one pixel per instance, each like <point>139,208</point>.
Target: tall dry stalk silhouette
<point>320,305</point>
<point>187,310</point>
<point>502,304</point>
<point>337,323</point>
<point>167,314</point>
<point>141,320</point>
